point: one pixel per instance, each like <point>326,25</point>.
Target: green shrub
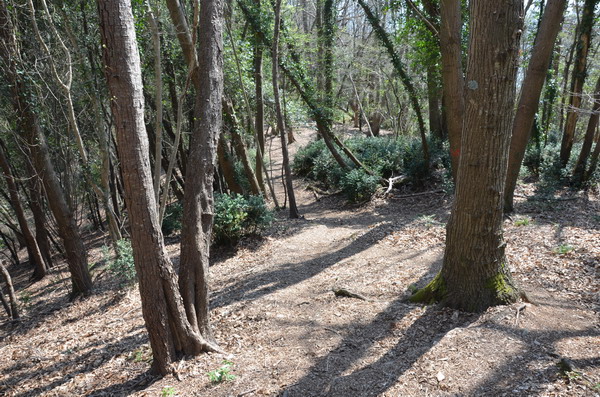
<point>122,266</point>
<point>358,185</point>
<point>237,216</point>
<point>384,156</point>
<point>172,219</point>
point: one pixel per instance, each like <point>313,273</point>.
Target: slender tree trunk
<point>578,79</point>
<point>593,160</point>
<point>228,172</point>
<point>530,94</point>
<point>198,203</point>
<point>35,257</point>
<point>259,121</point>
<point>232,124</point>
<point>162,307</point>
<point>280,124</point>
<point>39,217</point>
<point>153,22</point>
<point>14,307</point>
<point>475,272</point>
<point>433,99</point>
<point>588,140</point>
<point>452,76</point>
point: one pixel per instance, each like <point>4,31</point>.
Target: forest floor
<point>286,333</point>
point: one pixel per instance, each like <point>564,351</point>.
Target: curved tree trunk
<point>475,272</point>
<point>530,94</point>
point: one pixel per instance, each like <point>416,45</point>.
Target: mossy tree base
<point>496,290</point>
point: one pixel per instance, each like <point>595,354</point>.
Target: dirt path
<point>287,334</point>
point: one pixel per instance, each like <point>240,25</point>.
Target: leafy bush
<point>122,266</point>
<point>172,219</point>
<point>358,185</point>
<point>237,216</point>
<point>384,156</point>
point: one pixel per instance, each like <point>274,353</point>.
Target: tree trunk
<point>280,124</point>
<point>162,306</point>
<point>198,203</point>
<point>35,257</point>
<point>433,99</point>
<point>259,121</point>
<point>228,172</point>
<point>475,272</point>
<point>452,76</point>
<point>14,307</point>
<point>593,161</point>
<point>588,140</point>
<point>28,122</point>
<point>232,125</point>
<point>530,94</point>
<point>578,79</point>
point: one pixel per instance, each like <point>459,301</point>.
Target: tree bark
<point>169,331</point>
<point>530,94</point>
<point>475,272</point>
<point>578,79</point>
<point>198,207</point>
<point>14,307</point>
<point>452,76</point>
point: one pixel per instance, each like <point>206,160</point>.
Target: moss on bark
<point>503,287</point>
<point>433,292</point>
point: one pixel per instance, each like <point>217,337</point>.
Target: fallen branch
<point>418,194</point>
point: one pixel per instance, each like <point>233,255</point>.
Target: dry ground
<point>287,334</point>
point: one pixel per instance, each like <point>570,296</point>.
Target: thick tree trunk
<point>530,94</point>
<point>452,75</point>
<point>475,272</point>
<point>35,257</point>
<point>578,79</point>
<point>162,306</point>
<point>198,204</point>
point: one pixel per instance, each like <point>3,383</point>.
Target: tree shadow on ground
<point>522,369</point>
<point>60,372</point>
<point>288,274</point>
<point>344,371</point>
